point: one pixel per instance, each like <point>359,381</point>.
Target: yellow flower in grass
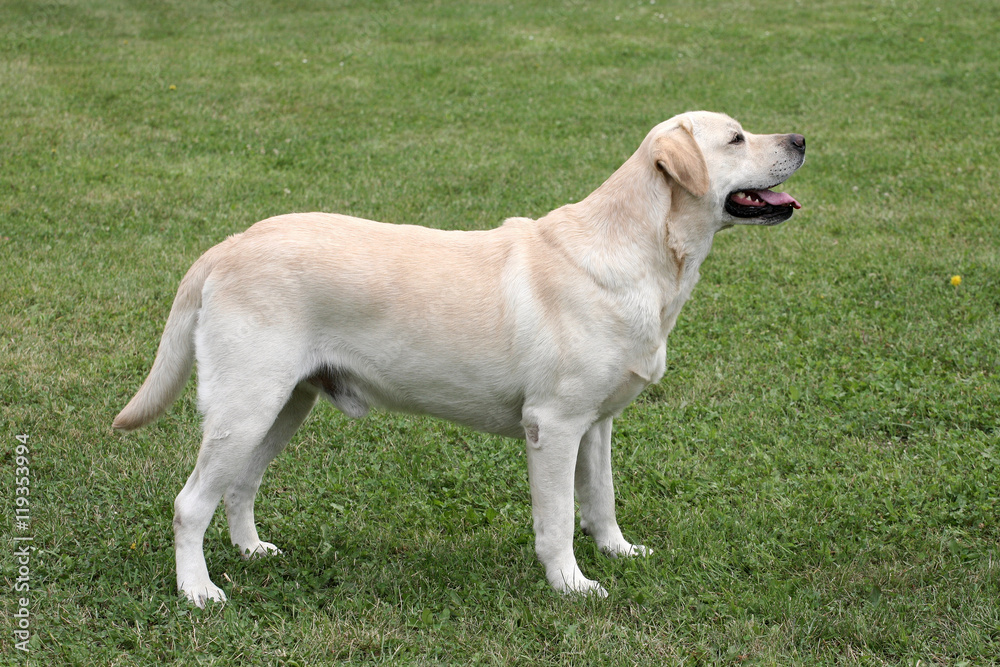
<point>956,280</point>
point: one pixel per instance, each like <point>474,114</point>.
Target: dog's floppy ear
<point>678,156</point>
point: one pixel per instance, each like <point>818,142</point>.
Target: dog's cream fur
<point>540,329</point>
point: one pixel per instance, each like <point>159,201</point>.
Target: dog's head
<point>711,158</point>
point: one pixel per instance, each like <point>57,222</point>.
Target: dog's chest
<point>644,370</point>
<point>646,362</point>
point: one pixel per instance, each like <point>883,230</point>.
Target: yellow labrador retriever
<point>540,329</point>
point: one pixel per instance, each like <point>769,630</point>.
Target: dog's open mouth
<point>765,206</point>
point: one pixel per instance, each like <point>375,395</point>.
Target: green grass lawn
<point>818,472</point>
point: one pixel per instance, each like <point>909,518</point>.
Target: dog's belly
<point>491,409</point>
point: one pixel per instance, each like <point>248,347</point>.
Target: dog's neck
<point>638,239</point>
<point>633,226</point>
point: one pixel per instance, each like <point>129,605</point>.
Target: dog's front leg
<point>552,449</point>
<point>595,491</point>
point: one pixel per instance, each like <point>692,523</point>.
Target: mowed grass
<point>818,472</point>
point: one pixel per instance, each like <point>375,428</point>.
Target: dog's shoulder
<point>518,223</point>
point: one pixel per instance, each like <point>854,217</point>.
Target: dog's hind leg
<point>239,497</point>
<point>595,492</point>
<point>234,430</point>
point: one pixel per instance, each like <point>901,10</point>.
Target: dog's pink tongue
<point>777,198</point>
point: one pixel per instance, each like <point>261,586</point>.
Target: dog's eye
<point>737,139</point>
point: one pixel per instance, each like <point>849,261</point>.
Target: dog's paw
<point>598,591</point>
<point>260,551</point>
<point>200,595</point>
<point>639,550</point>
<point>577,584</point>
<point>626,550</point>
<point>587,588</point>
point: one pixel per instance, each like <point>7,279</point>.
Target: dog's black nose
<point>798,142</point>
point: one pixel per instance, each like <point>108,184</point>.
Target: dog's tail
<point>175,356</point>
